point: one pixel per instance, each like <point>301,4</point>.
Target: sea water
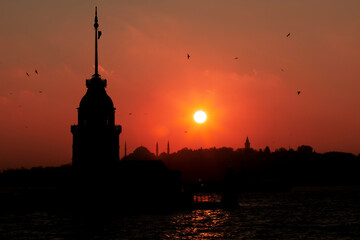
<point>293,215</point>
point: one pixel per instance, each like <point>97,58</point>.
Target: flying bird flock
<point>36,71</point>
<point>187,55</point>
<point>236,58</point>
<point>40,91</point>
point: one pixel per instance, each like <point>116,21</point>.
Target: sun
<point>200,116</point>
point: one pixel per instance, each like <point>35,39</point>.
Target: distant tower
<point>157,149</point>
<point>96,137</point>
<point>168,148</point>
<point>247,144</point>
<point>125,149</point>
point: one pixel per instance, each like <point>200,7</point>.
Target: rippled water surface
<point>306,215</point>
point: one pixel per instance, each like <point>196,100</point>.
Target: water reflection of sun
<point>201,224</point>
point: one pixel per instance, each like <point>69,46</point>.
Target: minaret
<point>96,137</point>
<point>168,148</point>
<point>125,149</point>
<point>157,149</point>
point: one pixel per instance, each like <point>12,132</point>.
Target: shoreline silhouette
<point>142,180</point>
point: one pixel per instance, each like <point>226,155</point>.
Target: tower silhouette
<point>96,137</point>
<point>247,144</point>
<point>168,148</point>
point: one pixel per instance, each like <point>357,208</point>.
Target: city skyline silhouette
<point>246,87</point>
<point>200,120</point>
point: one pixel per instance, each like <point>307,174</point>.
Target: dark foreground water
<point>299,215</point>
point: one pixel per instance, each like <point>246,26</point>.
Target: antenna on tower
<point>96,25</point>
<point>96,80</point>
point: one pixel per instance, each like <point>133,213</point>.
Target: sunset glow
<point>179,116</point>
<point>200,117</point>
<point>243,71</point>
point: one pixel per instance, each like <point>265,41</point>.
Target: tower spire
<point>96,25</point>
<point>247,143</point>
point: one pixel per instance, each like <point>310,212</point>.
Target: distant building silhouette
<point>247,144</point>
<point>267,150</point>
<point>96,137</point>
<point>168,147</point>
<point>141,153</point>
<point>305,149</point>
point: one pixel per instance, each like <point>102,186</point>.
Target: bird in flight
<point>298,92</point>
<point>130,113</point>
<point>288,35</point>
<point>236,57</point>
<point>185,131</point>
<point>40,91</point>
<point>27,74</point>
<point>188,56</point>
<point>282,70</point>
<point>36,71</point>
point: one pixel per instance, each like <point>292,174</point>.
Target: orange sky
<point>143,56</point>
